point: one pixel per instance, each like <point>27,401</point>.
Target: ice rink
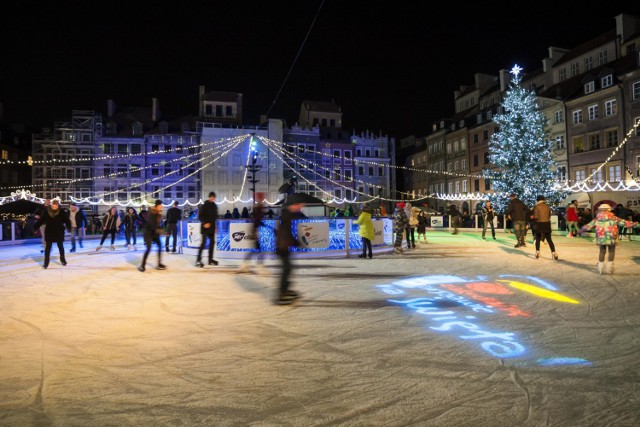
<point>458,332</point>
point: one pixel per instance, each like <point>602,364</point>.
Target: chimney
<point>111,107</point>
<point>155,110</point>
<point>200,100</point>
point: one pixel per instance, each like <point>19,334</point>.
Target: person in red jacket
<point>572,219</point>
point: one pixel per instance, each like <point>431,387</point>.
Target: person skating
<point>366,231</point>
<point>258,215</point>
<point>111,224</point>
<point>400,224</point>
<point>174,215</point>
<point>606,225</point>
<point>454,213</point>
<point>39,213</point>
<point>284,241</point>
<point>487,219</point>
<point>152,232</point>
<point>130,221</point>
<point>55,220</point>
<point>423,221</point>
<point>518,212</point>
<point>208,214</point>
<point>542,225</point>
<point>78,225</point>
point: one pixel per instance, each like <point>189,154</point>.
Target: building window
<point>593,112</point>
<point>615,173</point>
<point>338,193</point>
<point>457,186</point>
<point>635,90</point>
<point>577,117</point>
<point>486,158</point>
<point>347,175</point>
<point>229,111</point>
<point>602,57</point>
<point>578,144</point>
<point>487,184</point>
<point>561,173</point>
<point>558,117</point>
<point>560,143</point>
<point>360,170</point>
<point>464,186</point>
<point>463,164</point>
<point>475,160</point>
<point>575,69</point>
<point>612,138</point>
<point>594,141</point>
<point>637,124</point>
<point>580,175</point>
<point>562,74</point>
<point>588,63</point>
<point>596,175</point>
<point>606,81</point>
<point>475,138</point>
<point>450,188</point>
<point>476,185</point>
<point>610,107</point>
<point>218,110</point>
<point>589,87</point>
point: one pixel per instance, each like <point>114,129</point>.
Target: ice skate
<point>600,267</point>
<point>98,248</point>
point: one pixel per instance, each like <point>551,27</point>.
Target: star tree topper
<point>516,70</point>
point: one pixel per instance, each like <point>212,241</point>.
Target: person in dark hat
<point>542,218</point>
<point>55,220</point>
<point>130,222</point>
<point>606,225</point>
<point>518,213</point>
<point>152,232</point>
<point>208,214</point>
<point>174,215</point>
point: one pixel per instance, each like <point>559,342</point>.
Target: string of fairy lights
<point>222,147</point>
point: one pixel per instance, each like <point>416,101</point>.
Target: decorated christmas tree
<point>521,151</point>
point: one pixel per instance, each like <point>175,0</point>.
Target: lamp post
<point>253,168</point>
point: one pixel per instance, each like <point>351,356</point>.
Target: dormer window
<point>606,81</point>
<point>136,129</point>
<point>589,87</point>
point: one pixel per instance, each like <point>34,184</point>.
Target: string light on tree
<point>521,150</point>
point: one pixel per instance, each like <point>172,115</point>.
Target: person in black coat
<point>174,215</point>
<point>152,232</point>
<point>78,225</point>
<point>285,240</point>
<point>130,221</point>
<point>55,221</point>
<point>208,214</point>
<point>518,213</point>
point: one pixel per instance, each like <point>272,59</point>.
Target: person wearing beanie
<point>55,220</point>
<point>542,218</point>
<point>606,225</point>
<point>152,232</point>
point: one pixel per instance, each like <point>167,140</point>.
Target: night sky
<point>392,66</point>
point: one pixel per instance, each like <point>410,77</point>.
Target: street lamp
<point>253,168</point>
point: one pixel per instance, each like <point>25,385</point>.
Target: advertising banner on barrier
<point>241,236</point>
<point>437,221</point>
<point>194,238</point>
<point>313,234</point>
<point>379,229</point>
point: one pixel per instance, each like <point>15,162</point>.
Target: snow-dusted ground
<point>459,332</point>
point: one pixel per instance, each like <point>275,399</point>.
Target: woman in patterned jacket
<point>606,225</point>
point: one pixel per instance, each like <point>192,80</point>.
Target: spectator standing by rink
<point>110,226</point>
<point>208,214</point>
<point>152,232</point>
<point>131,220</point>
<point>366,231</point>
<point>174,215</point>
<point>606,225</point>
<point>55,220</point>
<point>542,225</point>
<point>400,224</point>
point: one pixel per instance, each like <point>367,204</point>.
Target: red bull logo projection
<point>466,307</point>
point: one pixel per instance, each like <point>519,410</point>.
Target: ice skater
<point>606,225</point>
<point>55,220</point>
<point>110,226</point>
<point>258,215</point>
<point>542,226</point>
<point>152,232</point>
<point>284,241</point>
<point>208,214</point>
<point>130,221</point>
